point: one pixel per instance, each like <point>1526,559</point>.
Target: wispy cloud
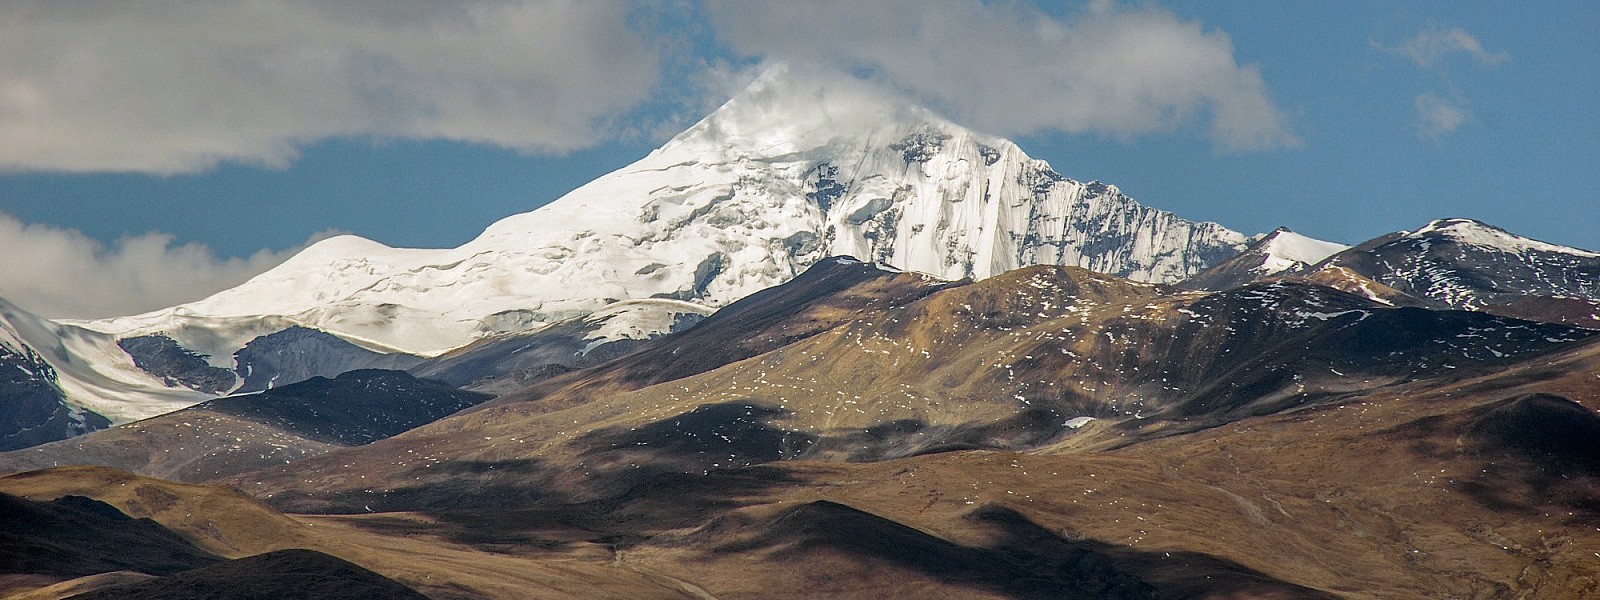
<point>1432,45</point>
<point>1010,69</point>
<point>171,87</point>
<point>1439,116</point>
<point>61,273</point>
<point>1441,113</point>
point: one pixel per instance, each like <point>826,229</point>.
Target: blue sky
<point>151,154</point>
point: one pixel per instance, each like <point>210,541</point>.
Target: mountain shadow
<point>1021,559</point>
<point>1535,454</point>
<point>281,575</point>
<point>74,536</point>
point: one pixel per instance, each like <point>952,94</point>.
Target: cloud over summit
<point>1009,69</point>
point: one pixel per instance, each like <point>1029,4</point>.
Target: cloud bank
<point>61,273</point>
<point>173,87</point>
<point>1010,69</point>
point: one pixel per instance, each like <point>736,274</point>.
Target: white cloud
<point>169,87</point>
<point>1439,116</point>
<point>1009,69</point>
<point>61,273</point>
<point>1431,45</point>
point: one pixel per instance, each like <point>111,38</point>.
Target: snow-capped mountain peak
<point>797,167</point>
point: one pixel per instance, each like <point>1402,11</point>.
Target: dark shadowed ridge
<point>74,536</point>
<point>511,361</point>
<point>299,353</point>
<point>280,575</point>
<point>357,407</point>
<point>239,433</point>
<point>1537,454</point>
<point>1020,560</point>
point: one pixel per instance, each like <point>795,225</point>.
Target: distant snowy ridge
<point>1286,250</point>
<point>791,170</point>
<point>1466,264</point>
<point>1483,235</point>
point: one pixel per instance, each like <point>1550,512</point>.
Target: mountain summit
<point>795,168</point>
